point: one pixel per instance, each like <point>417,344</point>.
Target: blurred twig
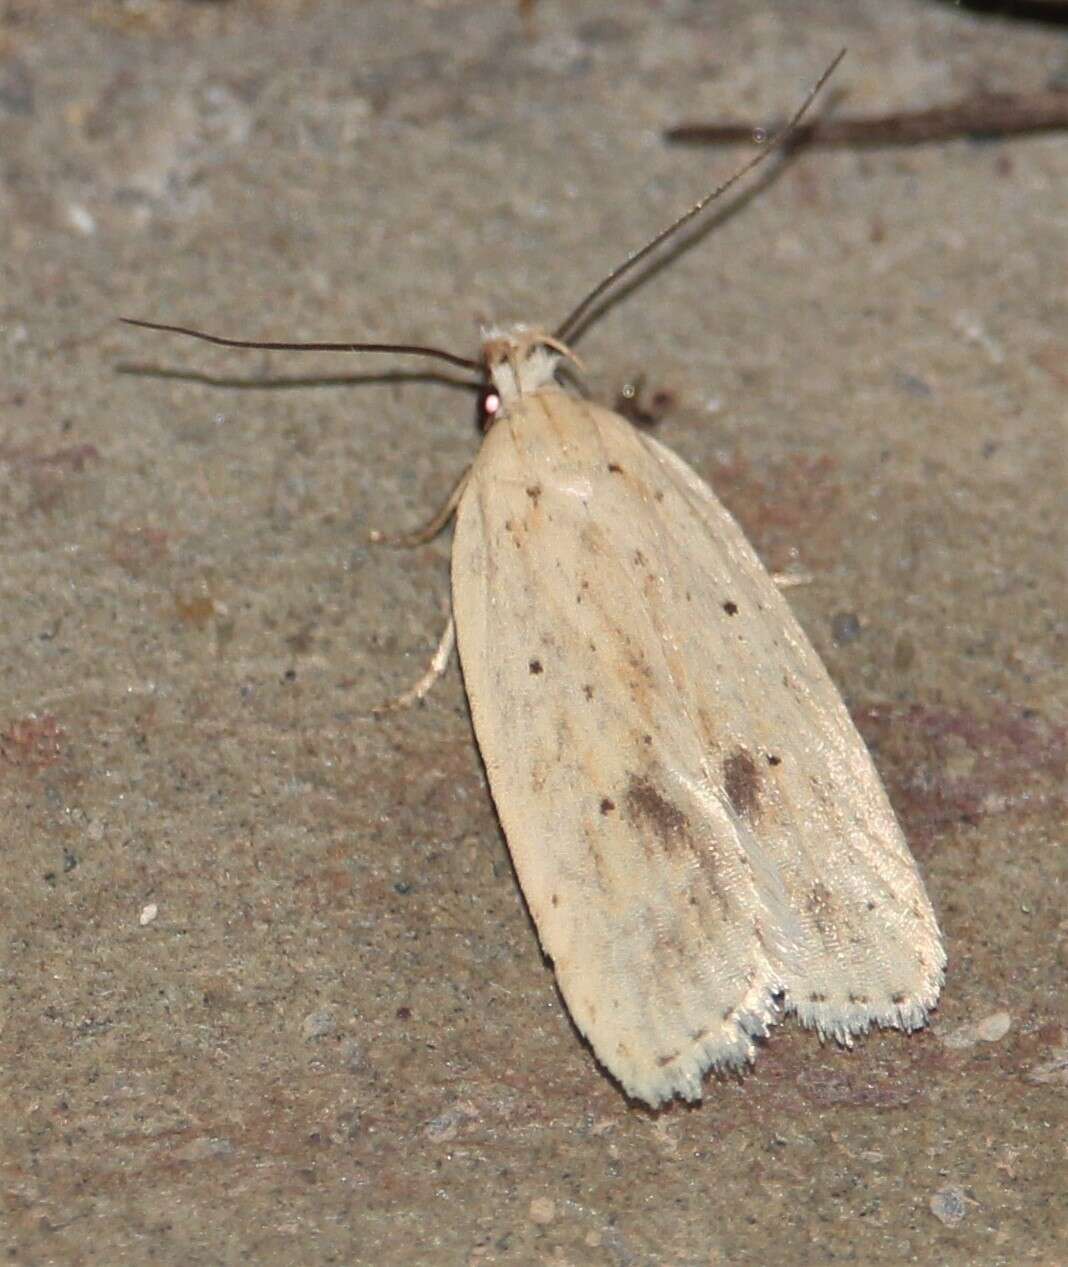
<point>981,116</point>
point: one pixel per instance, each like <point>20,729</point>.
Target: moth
<point>699,831</point>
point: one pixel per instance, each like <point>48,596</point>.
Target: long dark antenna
<point>579,311</point>
<point>415,349</point>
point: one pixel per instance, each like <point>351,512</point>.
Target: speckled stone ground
<point>336,1041</point>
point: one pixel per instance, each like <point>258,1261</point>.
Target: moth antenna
<point>775,143</point>
<point>414,349</point>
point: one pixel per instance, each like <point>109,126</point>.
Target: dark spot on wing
<point>587,690</point>
<point>741,779</point>
<point>817,998</point>
<point>640,666</point>
<point>535,666</point>
<point>666,1060</point>
<point>669,942</point>
<point>858,998</point>
<point>534,492</point>
<point>819,906</point>
<point>730,607</point>
<point>607,805</point>
<point>647,804</point>
<point>555,899</point>
<point>647,740</point>
<point>898,998</point>
<point>773,759</point>
<point>615,468</point>
<point>698,1035</point>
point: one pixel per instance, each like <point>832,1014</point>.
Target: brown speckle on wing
<point>650,807</point>
<point>742,783</point>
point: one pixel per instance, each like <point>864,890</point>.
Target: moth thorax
<point>520,360</point>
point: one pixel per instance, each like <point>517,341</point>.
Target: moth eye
<point>489,405</point>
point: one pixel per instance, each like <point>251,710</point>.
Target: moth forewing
<point>697,826</point>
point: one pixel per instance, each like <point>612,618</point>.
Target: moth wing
<point>697,827</point>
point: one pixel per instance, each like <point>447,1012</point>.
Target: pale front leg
<point>787,580</point>
<point>437,667</point>
<point>419,536</point>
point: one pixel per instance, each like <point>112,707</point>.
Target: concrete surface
<point>270,993</point>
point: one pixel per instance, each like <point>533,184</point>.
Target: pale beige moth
<point>699,831</point>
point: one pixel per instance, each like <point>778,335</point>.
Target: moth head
<point>518,360</point>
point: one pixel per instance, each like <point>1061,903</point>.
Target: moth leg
<point>438,664</point>
<point>429,530</point>
<point>787,580</point>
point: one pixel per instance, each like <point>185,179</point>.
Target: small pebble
<point>947,1205</point>
<point>318,1024</point>
<point>994,1028</point>
<point>542,1210</point>
<point>845,627</point>
<point>991,1029</point>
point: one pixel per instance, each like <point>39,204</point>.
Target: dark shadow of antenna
<point>245,383</point>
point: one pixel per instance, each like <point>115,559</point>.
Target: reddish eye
<point>489,404</point>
